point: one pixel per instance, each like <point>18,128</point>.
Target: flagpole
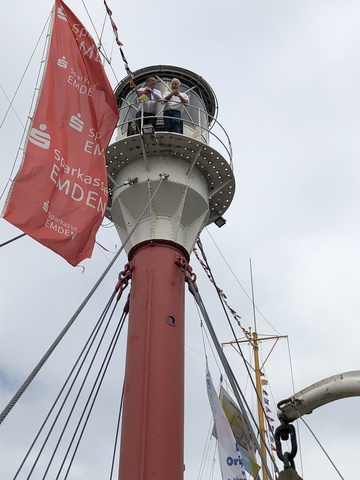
<point>260,402</point>
<point>259,395</point>
<point>254,339</point>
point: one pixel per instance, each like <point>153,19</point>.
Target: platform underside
<point>200,156</point>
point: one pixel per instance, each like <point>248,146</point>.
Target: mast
<point>190,185</point>
<point>260,402</point>
<point>254,339</point>
<point>259,396</point>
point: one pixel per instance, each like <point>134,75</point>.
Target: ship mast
<point>254,339</point>
<point>259,396</point>
<point>260,402</point>
<point>189,185</point>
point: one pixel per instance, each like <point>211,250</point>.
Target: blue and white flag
<point>231,463</point>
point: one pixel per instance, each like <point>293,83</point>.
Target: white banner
<point>231,463</point>
<point>241,432</point>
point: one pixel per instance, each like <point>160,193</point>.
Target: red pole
<point>152,438</point>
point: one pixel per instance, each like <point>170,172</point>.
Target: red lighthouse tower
<point>185,184</point>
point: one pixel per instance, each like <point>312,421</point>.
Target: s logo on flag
<point>60,195</point>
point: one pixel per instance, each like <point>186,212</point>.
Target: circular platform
<point>213,166</point>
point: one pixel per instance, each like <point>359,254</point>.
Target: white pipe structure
<point>320,393</point>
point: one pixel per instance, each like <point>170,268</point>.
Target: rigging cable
<point>240,350</point>
<point>101,374</point>
<point>206,451</point>
<point>11,102</point>
<point>32,100</point>
<point>254,307</point>
<point>10,106</point>
<point>98,382</point>
<point>117,434</point>
<point>23,75</point>
<point>100,44</point>
<point>210,471</point>
<point>99,37</point>
<point>36,370</point>
<point>12,240</point>
<point>237,280</point>
<point>83,355</point>
<point>234,384</point>
<point>206,454</point>
<point>75,402</point>
<point>323,449</point>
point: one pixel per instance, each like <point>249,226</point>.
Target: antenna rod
<point>252,295</point>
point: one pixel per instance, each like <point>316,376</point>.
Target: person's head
<point>151,82</point>
<point>175,84</point>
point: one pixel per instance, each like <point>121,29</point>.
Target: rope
<point>119,44</point>
<point>234,384</point>
<point>32,102</point>
<point>102,371</point>
<point>242,288</point>
<point>220,292</point>
<point>83,354</point>
<point>10,106</point>
<point>38,367</point>
<point>117,434</point>
<point>322,448</point>
<point>23,75</point>
<point>76,398</point>
<point>12,240</point>
<point>99,380</point>
<point>223,300</point>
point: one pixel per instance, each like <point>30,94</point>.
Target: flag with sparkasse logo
<point>60,194</point>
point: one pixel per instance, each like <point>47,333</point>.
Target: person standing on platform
<point>174,105</point>
<point>149,97</point>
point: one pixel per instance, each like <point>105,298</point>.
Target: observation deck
<point>200,176</point>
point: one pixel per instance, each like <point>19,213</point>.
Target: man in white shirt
<point>174,105</point>
<point>149,97</point>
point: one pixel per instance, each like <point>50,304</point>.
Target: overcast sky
<point>286,76</point>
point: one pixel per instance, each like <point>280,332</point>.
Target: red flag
<point>60,194</point>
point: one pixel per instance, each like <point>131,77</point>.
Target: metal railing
<point>196,124</point>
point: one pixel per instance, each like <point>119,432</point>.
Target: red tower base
<point>152,438</point>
